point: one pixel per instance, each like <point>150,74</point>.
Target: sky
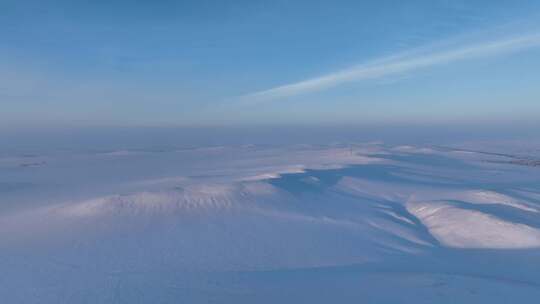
<point>208,63</point>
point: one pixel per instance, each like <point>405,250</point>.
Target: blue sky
<point>268,62</point>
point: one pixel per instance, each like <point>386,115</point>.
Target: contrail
<point>395,65</point>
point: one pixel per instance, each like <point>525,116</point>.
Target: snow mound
<point>491,197</point>
<point>199,198</point>
<point>457,227</point>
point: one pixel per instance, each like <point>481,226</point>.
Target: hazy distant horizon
<point>282,134</point>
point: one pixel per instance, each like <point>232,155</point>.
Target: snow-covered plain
<point>362,222</point>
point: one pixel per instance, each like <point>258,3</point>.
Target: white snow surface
<point>364,223</point>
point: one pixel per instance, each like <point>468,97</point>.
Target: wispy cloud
<point>397,64</point>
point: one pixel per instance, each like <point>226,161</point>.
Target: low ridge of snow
<point>463,228</point>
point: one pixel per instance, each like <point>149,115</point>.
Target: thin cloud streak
<point>395,65</point>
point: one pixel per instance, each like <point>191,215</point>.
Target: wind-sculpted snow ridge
<point>184,200</point>
<point>461,227</point>
<point>244,224</point>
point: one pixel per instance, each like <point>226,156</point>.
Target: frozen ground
<point>363,223</point>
